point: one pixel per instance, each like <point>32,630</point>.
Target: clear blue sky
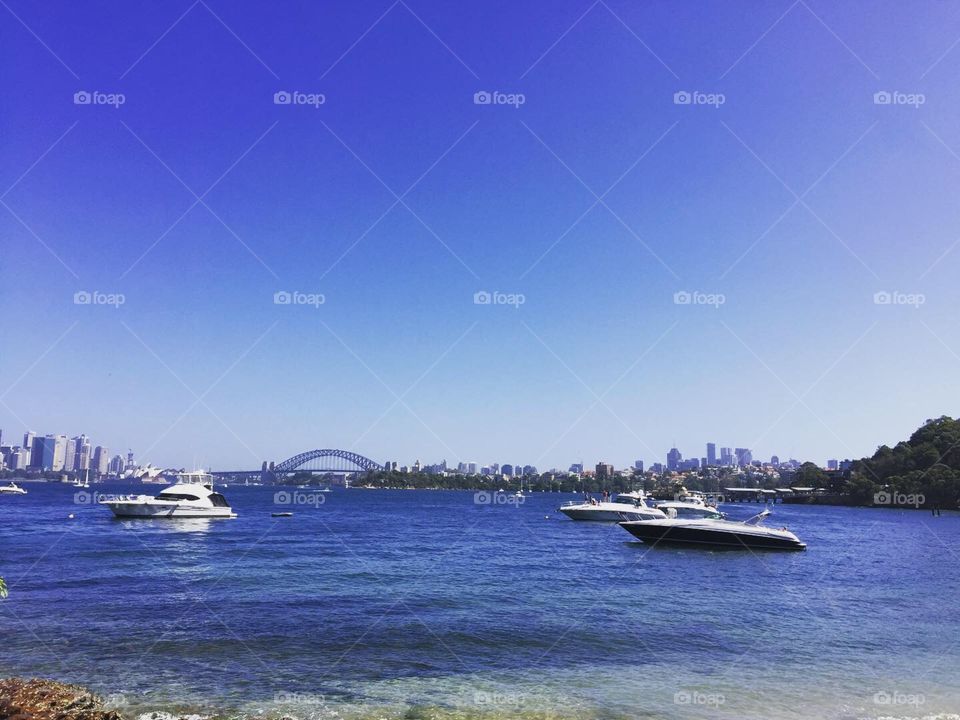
<point>599,362</point>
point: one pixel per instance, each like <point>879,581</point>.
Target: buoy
<point>70,516</point>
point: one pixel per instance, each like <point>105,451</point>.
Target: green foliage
<point>3,588</point>
<point>809,475</point>
<point>928,464</point>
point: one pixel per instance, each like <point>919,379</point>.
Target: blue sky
<point>794,202</point>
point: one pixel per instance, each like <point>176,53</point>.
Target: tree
<point>809,475</point>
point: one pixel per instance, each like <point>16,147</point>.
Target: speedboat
<point>192,496</point>
<point>712,532</point>
<point>13,489</point>
<point>625,506</point>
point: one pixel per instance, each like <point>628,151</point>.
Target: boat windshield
<point>218,500</point>
<point>176,496</point>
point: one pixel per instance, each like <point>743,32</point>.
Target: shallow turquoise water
<point>425,604</point>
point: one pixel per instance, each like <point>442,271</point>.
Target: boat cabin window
<point>176,496</point>
<point>218,500</point>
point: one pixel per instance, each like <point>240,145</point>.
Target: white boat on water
<point>625,506</point>
<point>13,489</point>
<point>192,496</point>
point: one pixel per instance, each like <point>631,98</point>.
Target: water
<point>423,604</point>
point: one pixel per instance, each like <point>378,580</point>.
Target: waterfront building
<point>116,465</point>
<point>28,440</point>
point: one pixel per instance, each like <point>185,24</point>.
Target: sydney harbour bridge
<point>336,464</point>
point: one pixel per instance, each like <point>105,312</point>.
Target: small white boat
<point>13,489</point>
<point>714,533</point>
<point>625,506</point>
<point>192,496</point>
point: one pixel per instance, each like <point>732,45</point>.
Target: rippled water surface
<point>424,604</point>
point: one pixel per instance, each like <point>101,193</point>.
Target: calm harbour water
<point>424,604</point>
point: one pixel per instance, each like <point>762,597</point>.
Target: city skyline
<point>60,452</point>
<point>221,248</point>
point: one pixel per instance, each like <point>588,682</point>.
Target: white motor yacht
<point>714,533</point>
<point>192,496</point>
<point>13,489</point>
<point>682,509</point>
<point>625,506</point>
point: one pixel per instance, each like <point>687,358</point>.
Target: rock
<point>50,700</point>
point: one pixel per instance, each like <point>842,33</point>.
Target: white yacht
<point>13,489</point>
<point>684,509</point>
<point>192,496</point>
<point>625,506</point>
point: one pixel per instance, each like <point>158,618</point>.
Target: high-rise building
<point>130,462</point>
<point>576,468</point>
<point>507,469</point>
<point>49,452</point>
<point>832,464</point>
<point>774,460</point>
<point>711,453</point>
<point>673,459</point>
<point>28,440</point>
<point>81,461</point>
<point>638,465</point>
<point>604,471</point>
<point>529,470</point>
<point>115,467</point>
<point>101,460</point>
<point>726,456</point>
<point>744,456</point>
<point>70,455</point>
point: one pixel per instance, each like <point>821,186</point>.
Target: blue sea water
<point>426,604</point>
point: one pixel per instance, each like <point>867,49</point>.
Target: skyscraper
<point>744,456</point>
<point>711,453</point>
<point>604,471</point>
<point>101,460</point>
<point>726,457</point>
<point>70,455</point>
<point>673,459</point>
<point>81,462</point>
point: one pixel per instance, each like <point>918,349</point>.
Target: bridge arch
<point>342,461</point>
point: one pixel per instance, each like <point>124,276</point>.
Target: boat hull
<point>142,510</point>
<point>747,537</point>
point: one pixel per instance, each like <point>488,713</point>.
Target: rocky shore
<point>50,700</point>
